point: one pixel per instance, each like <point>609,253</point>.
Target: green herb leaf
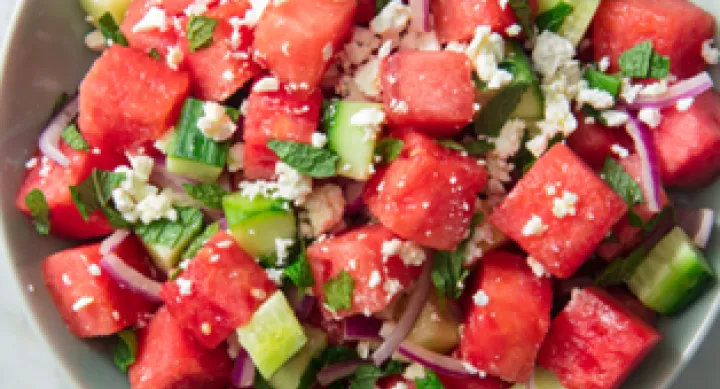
<point>451,144</point>
<point>367,375</point>
<point>331,355</point>
<point>168,233</point>
<point>110,29</point>
<point>610,83</point>
<point>388,149</point>
<point>553,19</point>
<point>95,193</point>
<point>478,147</point>
<point>495,114</point>
<point>339,291</point>
<point>448,273</point>
<point>651,224</point>
<point>39,210</point>
<point>300,272</point>
<point>319,163</point>
<point>125,351</point>
<point>621,269</point>
<point>380,4</point>
<point>621,182</point>
<point>72,136</point>
<point>634,219</point>
<point>200,32</point>
<point>200,241</point>
<point>154,54</point>
<point>430,381</point>
<point>209,195</point>
<point>524,15</point>
<point>642,61</point>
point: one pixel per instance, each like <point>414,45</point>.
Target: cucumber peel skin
<point>544,379</point>
<point>577,23</point>
<point>288,375</point>
<point>673,275</point>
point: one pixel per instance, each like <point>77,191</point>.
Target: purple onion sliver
<point>130,278</point>
<point>338,371</point>
<point>697,223</point>
<point>420,15</point>
<point>437,362</point>
<point>113,241</point>
<point>689,88</point>
<point>48,142</point>
<point>650,182</point>
<point>222,223</point>
<point>361,327</point>
<point>305,307</point>
<point>243,373</point>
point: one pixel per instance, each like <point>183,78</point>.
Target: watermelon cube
<point>220,290</point>
<point>688,143</point>
<point>428,194</point>
<point>456,20</point>
<point>559,211</point>
<point>128,98</point>
<point>281,115</point>
<point>55,181</point>
<point>431,91</point>
<point>296,39</point>
<point>594,142</point>
<point>677,29</point>
<point>152,38</point>
<point>508,319</point>
<point>168,359</point>
<point>595,342</point>
<point>89,300</point>
<point>379,280</point>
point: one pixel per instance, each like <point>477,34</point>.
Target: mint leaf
<point>388,149</point>
<point>609,83</point>
<point>39,210</point>
<point>621,182</point>
<point>642,61</point>
<point>478,147</point>
<point>168,233</point>
<point>553,19</point>
<point>200,241</point>
<point>300,272</point>
<point>430,381</point>
<point>304,158</point>
<point>451,144</point>
<point>125,351</point>
<point>200,32</point>
<point>110,29</point>
<point>339,291</point>
<point>72,136</point>
<point>210,195</point>
<point>331,355</point>
<point>621,269</point>
<point>448,273</point>
<point>524,15</point>
<point>380,4</point>
<point>95,193</point>
<point>154,54</point>
<point>367,375</point>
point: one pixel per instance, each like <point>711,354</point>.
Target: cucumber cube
<point>289,375</point>
<point>544,379</point>
<point>273,335</point>
<point>166,240</point>
<point>576,24</point>
<point>97,8</point>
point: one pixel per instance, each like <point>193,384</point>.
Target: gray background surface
<point>25,364</point>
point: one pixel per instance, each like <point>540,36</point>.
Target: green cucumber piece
<point>576,24</point>
<point>673,274</point>
<point>531,106</point>
<point>348,141</point>
<point>190,153</point>
<point>544,379</point>
<point>257,222</point>
<point>288,375</point>
<point>97,8</point>
<point>166,240</point>
<point>273,335</point>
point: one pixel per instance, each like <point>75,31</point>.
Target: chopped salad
<point>428,194</point>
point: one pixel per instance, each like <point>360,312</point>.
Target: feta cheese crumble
<point>174,57</point>
<point>267,84</point>
<point>154,19</point>
<point>486,51</point>
<point>82,303</point>
<point>650,116</point>
<point>282,250</point>
<point>393,18</point>
<point>184,286</point>
<point>481,298</point>
<point>319,140</point>
<point>619,151</point>
<point>215,123</point>
<point>537,268</point>
<point>375,279</point>
<point>565,205</point>
<point>290,185</point>
<point>136,199</point>
<point>614,118</point>
<point>684,104</point>
<point>324,209</point>
<point>534,226</point>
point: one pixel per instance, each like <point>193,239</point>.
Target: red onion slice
<point>439,363</point>
<point>130,278</point>
<point>682,90</point>
<point>361,327</point>
<point>338,371</point>
<point>113,241</point>
<point>162,178</point>
<point>420,15</point>
<point>650,182</point>
<point>408,319</point>
<point>301,303</point>
<point>243,373</point>
<point>697,223</point>
<point>50,136</point>
<point>222,224</point>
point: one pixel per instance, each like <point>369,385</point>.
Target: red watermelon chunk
<point>147,39</point>
<point>594,142</point>
<point>220,291</point>
<point>427,194</point>
<point>677,29</point>
<point>456,20</point>
<point>128,98</point>
<point>688,143</point>
<point>296,39</point>
<point>218,71</point>
<point>168,359</point>
<point>431,91</point>
<point>279,115</point>
<point>595,342</point>
<point>90,301</point>
<point>448,382</point>
<point>565,234</point>
<point>503,334</point>
<point>378,280</point>
<point>55,181</point>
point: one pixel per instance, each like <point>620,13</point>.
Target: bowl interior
<point>45,56</point>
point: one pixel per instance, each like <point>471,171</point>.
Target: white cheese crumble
<point>534,226</point>
<point>414,371</point>
<point>228,75</point>
<point>136,199</point>
<point>628,91</point>
<point>604,64</point>
<point>206,328</point>
<point>327,51</point>
<point>710,54</point>
<point>400,385</point>
<point>596,98</point>
<point>323,210</point>
<point>253,15</point>
<point>215,123</point>
<point>197,8</point>
<point>154,19</point>
<point>619,151</point>
<point>481,298</point>
<point>267,84</point>
<point>508,141</point>
<point>96,41</point>
<point>94,270</point>
<point>655,89</point>
<point>684,104</point>
<point>275,275</point>
<point>31,163</point>
<point>174,57</point>
<point>375,279</point>
<point>367,78</point>
<point>565,205</point>
<point>412,254</point>
<point>290,185</point>
<point>236,157</point>
<point>537,268</point>
<point>551,52</point>
<point>82,303</point>
<point>282,250</point>
<point>319,139</point>
<point>184,286</point>
<point>650,116</point>
<point>363,349</point>
<point>486,51</point>
<point>371,120</point>
<point>513,30</point>
<point>392,287</point>
<point>66,279</point>
<point>393,18</point>
<point>615,118</point>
